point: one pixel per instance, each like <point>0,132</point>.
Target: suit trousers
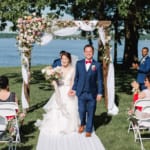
<point>87,107</point>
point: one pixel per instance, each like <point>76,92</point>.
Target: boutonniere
<point>93,68</point>
<point>143,60</point>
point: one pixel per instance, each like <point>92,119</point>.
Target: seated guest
<point>57,62</point>
<point>143,67</point>
<point>6,95</point>
<point>144,94</point>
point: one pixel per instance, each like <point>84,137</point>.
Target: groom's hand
<point>99,97</point>
<point>71,93</point>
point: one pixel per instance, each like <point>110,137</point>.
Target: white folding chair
<point>142,103</point>
<point>9,109</point>
<point>141,120</point>
<point>3,124</point>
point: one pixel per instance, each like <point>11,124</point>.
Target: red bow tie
<point>88,61</point>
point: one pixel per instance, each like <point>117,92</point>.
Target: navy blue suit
<point>57,62</point>
<point>144,68</point>
<point>87,85</point>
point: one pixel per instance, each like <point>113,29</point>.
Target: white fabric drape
<point>66,31</point>
<point>102,34</point>
<point>46,38</point>
<point>24,101</point>
<point>86,26</point>
<point>112,108</point>
<point>25,66</point>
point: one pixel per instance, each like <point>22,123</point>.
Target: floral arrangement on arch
<point>31,28</point>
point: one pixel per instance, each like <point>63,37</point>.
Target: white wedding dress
<point>59,127</point>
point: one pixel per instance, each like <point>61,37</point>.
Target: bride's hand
<point>135,85</point>
<point>54,83</point>
<point>71,93</point>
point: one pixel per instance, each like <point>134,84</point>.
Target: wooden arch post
<point>104,55</point>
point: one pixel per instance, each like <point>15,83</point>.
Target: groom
<point>88,87</point>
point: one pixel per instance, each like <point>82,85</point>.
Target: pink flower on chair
<point>93,68</point>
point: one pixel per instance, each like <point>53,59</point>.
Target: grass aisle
<point>111,130</point>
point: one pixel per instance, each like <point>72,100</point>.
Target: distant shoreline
<point>8,35</point>
<point>13,35</point>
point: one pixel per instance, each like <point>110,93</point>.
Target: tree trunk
<point>105,74</point>
<point>115,43</point>
<point>116,36</point>
<point>131,44</point>
<point>104,70</point>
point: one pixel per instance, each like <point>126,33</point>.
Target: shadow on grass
<point>37,106</point>
<point>46,87</point>
<point>26,130</point>
<point>101,120</point>
<point>20,147</point>
<point>16,77</point>
<point>37,77</point>
<point>117,100</point>
<point>123,79</point>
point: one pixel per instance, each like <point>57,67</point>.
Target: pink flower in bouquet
<point>52,74</point>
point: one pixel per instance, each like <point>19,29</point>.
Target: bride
<point>59,127</point>
<point>61,110</point>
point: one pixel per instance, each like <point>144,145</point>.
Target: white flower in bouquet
<point>52,74</point>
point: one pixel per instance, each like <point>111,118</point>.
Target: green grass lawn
<point>111,130</point>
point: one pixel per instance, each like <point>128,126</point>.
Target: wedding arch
<point>32,29</point>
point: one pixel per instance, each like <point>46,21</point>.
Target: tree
<point>11,11</point>
<point>132,14</point>
<point>135,14</point>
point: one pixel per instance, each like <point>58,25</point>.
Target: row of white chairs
<point>9,109</point>
<point>140,123</point>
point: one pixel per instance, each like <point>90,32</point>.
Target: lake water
<point>44,55</point>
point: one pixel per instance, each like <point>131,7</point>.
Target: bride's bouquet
<point>52,74</point>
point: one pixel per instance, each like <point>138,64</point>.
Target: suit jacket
<point>94,77</point>
<point>144,68</point>
<point>57,62</point>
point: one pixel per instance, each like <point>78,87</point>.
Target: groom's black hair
<point>88,45</point>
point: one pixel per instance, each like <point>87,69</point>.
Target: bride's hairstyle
<point>147,77</point>
<point>68,55</point>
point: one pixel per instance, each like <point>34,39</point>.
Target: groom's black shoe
<point>88,134</point>
<point>81,129</point>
